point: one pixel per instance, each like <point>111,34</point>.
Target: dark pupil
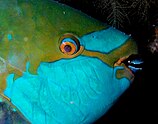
<point>67,48</point>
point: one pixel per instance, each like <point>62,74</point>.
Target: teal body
<point>71,89</point>
<point>74,97</point>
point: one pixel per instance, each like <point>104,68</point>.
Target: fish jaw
<point>81,95</point>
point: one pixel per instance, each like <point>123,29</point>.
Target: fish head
<point>72,70</point>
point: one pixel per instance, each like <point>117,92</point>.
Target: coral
<point>153,42</point>
<point>119,11</point>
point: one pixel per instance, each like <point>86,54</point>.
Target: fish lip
<point>127,71</point>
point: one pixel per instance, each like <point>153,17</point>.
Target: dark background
<point>139,103</point>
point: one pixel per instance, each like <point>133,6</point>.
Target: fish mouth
<point>125,71</point>
<point>132,65</point>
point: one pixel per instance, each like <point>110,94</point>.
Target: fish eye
<point>69,44</point>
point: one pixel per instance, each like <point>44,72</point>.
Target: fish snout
<point>132,65</point>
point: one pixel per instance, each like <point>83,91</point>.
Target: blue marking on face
<point>69,40</point>
<point>1,100</point>
<point>76,91</point>
<point>9,36</point>
<point>104,41</point>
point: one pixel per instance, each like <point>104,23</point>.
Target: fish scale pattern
<point>65,89</point>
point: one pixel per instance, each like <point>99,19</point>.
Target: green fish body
<point>58,65</point>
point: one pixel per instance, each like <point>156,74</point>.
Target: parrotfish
<point>59,65</point>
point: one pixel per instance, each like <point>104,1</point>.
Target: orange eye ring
<point>68,48</point>
<point>69,44</point>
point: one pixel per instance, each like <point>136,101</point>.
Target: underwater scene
<point>78,61</point>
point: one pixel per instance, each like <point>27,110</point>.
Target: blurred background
<point>139,18</point>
